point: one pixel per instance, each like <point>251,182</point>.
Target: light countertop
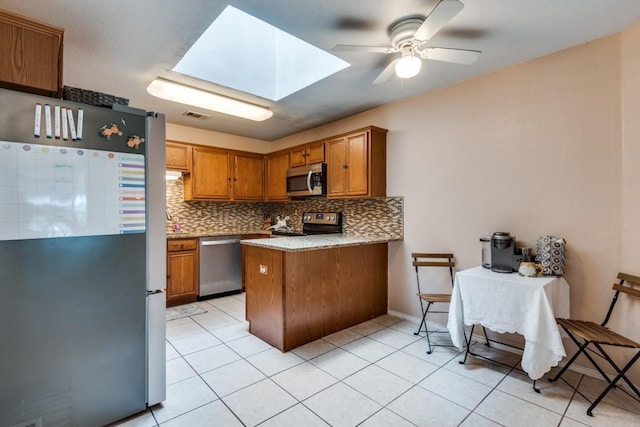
<point>213,233</point>
<point>305,243</point>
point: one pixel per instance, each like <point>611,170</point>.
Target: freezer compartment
<point>220,265</point>
<point>72,322</point>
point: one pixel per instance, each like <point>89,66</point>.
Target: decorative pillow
<point>550,254</point>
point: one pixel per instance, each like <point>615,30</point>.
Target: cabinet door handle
<point>345,166</point>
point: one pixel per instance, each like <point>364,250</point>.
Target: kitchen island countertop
<point>320,241</point>
<point>213,233</point>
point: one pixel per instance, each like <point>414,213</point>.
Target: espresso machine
<point>505,258</point>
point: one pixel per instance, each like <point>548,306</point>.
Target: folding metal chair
<point>431,260</point>
<point>586,334</point>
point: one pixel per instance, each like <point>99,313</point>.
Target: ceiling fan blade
<point>386,73</point>
<point>440,15</point>
<point>361,48</point>
<point>457,56</point>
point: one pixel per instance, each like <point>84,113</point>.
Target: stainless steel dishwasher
<point>220,265</point>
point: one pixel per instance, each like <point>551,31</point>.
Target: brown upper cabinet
<point>307,154</point>
<point>248,178</point>
<point>178,156</point>
<point>356,167</point>
<point>218,174</point>
<point>357,164</point>
<point>210,175</point>
<point>277,165</point>
<point>31,53</point>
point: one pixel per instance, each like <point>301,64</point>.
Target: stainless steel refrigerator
<point>82,261</point>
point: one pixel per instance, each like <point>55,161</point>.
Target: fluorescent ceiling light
<point>188,95</point>
<point>245,53</point>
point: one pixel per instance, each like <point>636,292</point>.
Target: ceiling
<point>119,46</point>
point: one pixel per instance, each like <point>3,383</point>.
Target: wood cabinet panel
<point>262,275</point>
<point>298,157</point>
<point>307,154</point>
<point>356,164</point>
<point>248,178</point>
<point>182,271</point>
<point>315,153</point>
<point>182,245</point>
<point>312,308</point>
<point>31,53</point>
<point>320,292</point>
<point>277,165</point>
<point>218,174</point>
<point>210,175</point>
<point>336,165</point>
<point>178,156</point>
<point>357,170</point>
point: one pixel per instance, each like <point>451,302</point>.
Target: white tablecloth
<point>512,303</point>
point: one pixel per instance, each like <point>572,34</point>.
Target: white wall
<point>631,148</point>
<point>216,139</point>
<point>630,246</point>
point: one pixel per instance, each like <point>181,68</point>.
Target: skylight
<point>247,54</point>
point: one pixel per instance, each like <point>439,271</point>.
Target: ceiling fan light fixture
<point>188,95</point>
<point>408,66</point>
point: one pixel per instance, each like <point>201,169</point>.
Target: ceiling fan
<point>409,37</point>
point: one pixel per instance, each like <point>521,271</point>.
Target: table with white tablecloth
<point>504,302</point>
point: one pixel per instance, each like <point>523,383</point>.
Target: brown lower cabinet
<point>182,271</point>
<point>293,298</point>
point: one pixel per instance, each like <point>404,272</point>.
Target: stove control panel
<point>328,218</point>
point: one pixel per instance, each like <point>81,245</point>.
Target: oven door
<point>306,181</point>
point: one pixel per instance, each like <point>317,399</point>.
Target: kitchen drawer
<point>182,245</point>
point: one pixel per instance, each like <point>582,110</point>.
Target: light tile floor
<point>373,374</point>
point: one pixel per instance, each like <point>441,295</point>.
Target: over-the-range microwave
<point>307,181</point>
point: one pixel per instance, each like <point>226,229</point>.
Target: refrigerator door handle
<point>156,347</point>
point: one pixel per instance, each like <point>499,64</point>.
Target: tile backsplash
<point>382,216</point>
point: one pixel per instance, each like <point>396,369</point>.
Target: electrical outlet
<point>263,269</point>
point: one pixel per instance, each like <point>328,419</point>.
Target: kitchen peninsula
<point>299,289</point>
